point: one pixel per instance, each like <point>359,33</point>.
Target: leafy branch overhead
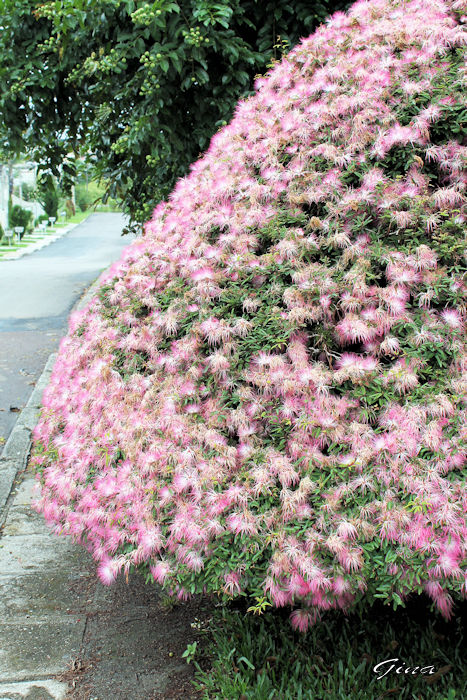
<point>139,88</point>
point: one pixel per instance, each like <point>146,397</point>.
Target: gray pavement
<point>37,293</point>
<point>64,636</point>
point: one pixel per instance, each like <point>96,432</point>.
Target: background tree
<point>139,88</point>
<point>18,216</point>
<point>48,195</point>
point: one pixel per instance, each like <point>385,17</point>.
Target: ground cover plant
<point>262,658</point>
<point>267,396</point>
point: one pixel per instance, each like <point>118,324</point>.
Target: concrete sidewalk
<point>37,240</point>
<point>41,622</point>
<point>63,634</point>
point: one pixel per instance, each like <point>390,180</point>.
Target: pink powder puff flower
<point>347,530</point>
<point>341,585</point>
<point>390,346</point>
<point>240,523</point>
<point>447,197</point>
<point>452,318</point>
<point>351,559</point>
<point>218,363</point>
<point>108,570</point>
<point>278,596</point>
<point>232,585</point>
<point>150,540</point>
<point>352,329</point>
<point>302,619</point>
<point>160,571</point>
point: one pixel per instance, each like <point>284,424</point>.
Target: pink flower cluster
<point>268,394</point>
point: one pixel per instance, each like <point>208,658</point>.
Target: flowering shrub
<point>267,396</point>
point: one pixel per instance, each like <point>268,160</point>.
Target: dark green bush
<point>88,195</point>
<point>20,217</point>
<point>40,219</point>
<point>49,198</point>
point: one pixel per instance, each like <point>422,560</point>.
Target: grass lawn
<point>76,219</point>
<point>10,248</point>
<point>261,658</point>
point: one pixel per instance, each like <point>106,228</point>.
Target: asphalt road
<point>37,293</point>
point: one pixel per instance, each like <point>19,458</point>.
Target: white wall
<point>3,196</point>
<point>23,172</point>
<point>35,207</point>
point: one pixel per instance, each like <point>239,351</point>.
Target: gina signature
<point>391,665</point>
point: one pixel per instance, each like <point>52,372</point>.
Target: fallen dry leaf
<point>440,672</point>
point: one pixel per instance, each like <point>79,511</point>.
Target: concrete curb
<point>15,454</point>
<point>87,296</point>
<point>17,254</point>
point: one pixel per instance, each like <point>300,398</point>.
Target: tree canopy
<point>138,88</point>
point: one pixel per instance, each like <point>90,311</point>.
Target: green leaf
<point>248,663</point>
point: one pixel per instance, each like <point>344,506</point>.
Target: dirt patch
<point>133,644</point>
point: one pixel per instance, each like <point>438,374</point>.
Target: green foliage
<point>48,196</point>
<point>139,88</point>
<point>86,195</point>
<point>18,216</point>
<point>40,219</point>
<point>28,192</point>
<point>89,195</point>
<point>448,240</point>
<point>190,652</point>
<point>261,658</point>
<point>451,125</point>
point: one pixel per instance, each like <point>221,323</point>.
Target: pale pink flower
<point>108,571</point>
<point>303,618</point>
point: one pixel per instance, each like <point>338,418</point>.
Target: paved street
<point>37,293</point>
